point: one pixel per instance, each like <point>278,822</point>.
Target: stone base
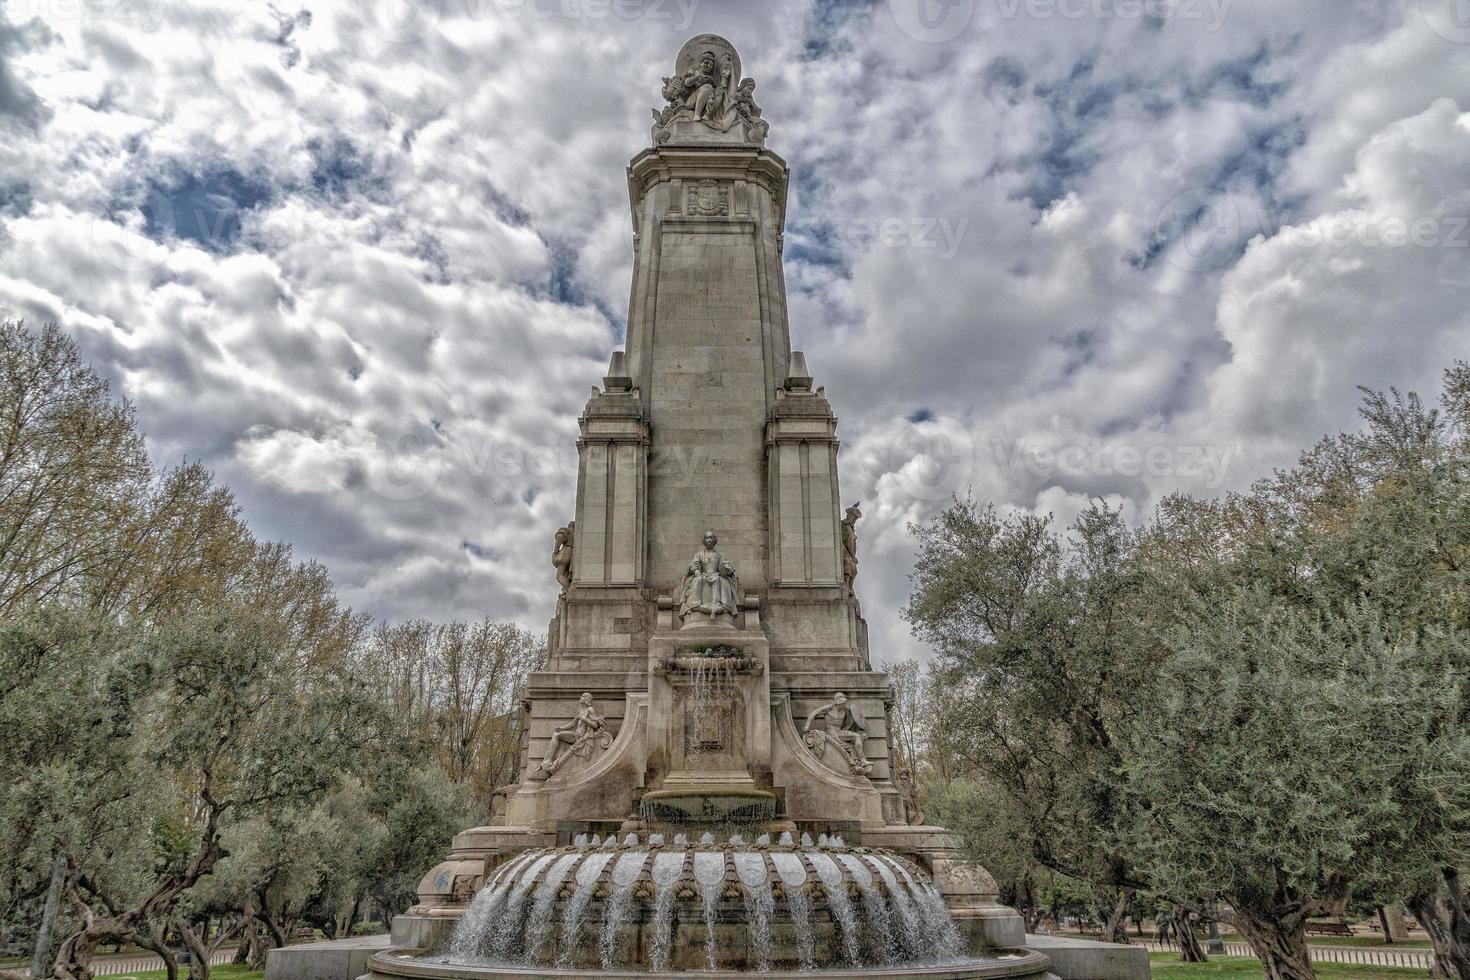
<point>1088,959</point>
<point>1020,964</point>
<point>338,959</point>
<point>423,931</point>
<point>989,927</point>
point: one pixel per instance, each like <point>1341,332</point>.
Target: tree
<point>1037,659</point>
<point>155,743</point>
<point>73,470</point>
<point>456,689</point>
<point>1282,766</point>
<point>1307,639</point>
<point>906,716</point>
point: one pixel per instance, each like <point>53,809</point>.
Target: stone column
<point>612,485</point>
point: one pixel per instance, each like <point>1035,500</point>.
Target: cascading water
<point>710,684</point>
<point>940,934</point>
<point>835,885</point>
<point>613,904</point>
<point>485,908</point>
<point>875,910</point>
<point>709,872</point>
<point>668,867</point>
<point>571,918</point>
<point>624,876</point>
<point>508,935</point>
<point>793,880</point>
<point>908,937</point>
<point>538,924</point>
<point>760,905</point>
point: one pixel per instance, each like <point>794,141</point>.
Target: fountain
<point>759,907</point>
<point>708,781</point>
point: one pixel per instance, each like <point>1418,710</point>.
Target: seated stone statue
<point>577,735</point>
<point>845,728</point>
<point>709,590</point>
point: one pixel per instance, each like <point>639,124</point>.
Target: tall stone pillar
<point>707,344</point>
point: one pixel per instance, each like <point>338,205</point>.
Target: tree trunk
<point>198,951</point>
<point>276,941</point>
<point>1398,930</point>
<point>1190,951</point>
<point>1443,914</point>
<point>249,939</point>
<point>1279,942</point>
<point>170,965</point>
<point>1383,922</point>
<point>41,959</point>
<point>1115,930</point>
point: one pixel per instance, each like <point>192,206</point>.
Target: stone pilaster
<point>612,485</point>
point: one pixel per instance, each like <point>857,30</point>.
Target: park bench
<point>1328,929</point>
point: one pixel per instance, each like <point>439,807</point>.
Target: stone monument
<point>693,697</point>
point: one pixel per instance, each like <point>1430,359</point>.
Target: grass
<point>227,972</point>
<point>1166,966</point>
<point>1374,942</point>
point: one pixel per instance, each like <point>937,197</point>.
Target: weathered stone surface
<point>1086,959</point>
<point>339,958</point>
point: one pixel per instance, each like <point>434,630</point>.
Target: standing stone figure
<point>561,556</point>
<point>575,734</point>
<point>912,811</point>
<point>709,587</point>
<point>849,545</point>
<point>846,727</point>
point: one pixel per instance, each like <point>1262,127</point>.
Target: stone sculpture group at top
<point>707,98</point>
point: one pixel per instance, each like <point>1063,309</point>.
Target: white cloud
<point>385,351</point>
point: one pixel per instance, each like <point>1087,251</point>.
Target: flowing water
<point>875,911</point>
<point>835,886</point>
<point>793,876</point>
<point>667,869</point>
<point>508,933</point>
<point>569,907</point>
<point>760,905</point>
<point>538,924</point>
<point>615,916</point>
<point>571,917</point>
<point>709,872</point>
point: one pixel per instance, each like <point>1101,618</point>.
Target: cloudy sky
<point>365,259</point>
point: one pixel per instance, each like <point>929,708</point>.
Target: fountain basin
<point>715,805</point>
<point>407,964</point>
<point>707,905</point>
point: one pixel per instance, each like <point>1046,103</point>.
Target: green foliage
<point>1260,699</point>
<point>189,716</point>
